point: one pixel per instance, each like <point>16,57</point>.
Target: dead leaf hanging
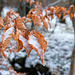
<point>36,40</point>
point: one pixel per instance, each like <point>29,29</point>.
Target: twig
<point>6,23</point>
<point>60,13</point>
<point>54,29</point>
<point>2,29</point>
<point>62,65</point>
<point>22,29</point>
<point>14,26</point>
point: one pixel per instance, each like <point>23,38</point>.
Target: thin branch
<point>63,65</point>
<point>60,13</point>
<point>6,23</point>
<point>22,29</point>
<point>2,29</point>
<point>14,26</point>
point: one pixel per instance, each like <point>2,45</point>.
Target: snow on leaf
<point>6,36</point>
<point>8,33</point>
<point>23,37</point>
<point>36,40</point>
<point>27,47</point>
<point>11,15</point>
<point>11,24</point>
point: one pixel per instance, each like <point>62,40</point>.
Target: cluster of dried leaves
<point>29,39</point>
<point>38,17</point>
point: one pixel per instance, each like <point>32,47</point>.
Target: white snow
<point>7,33</point>
<point>74,14</point>
<point>11,24</point>
<point>17,65</point>
<point>68,21</point>
<point>12,56</point>
<point>3,72</point>
<point>5,10</point>
<point>59,47</point>
<point>20,54</point>
<point>33,40</point>
<point>43,12</point>
<point>25,42</point>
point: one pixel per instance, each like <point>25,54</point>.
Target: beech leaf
<point>37,41</point>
